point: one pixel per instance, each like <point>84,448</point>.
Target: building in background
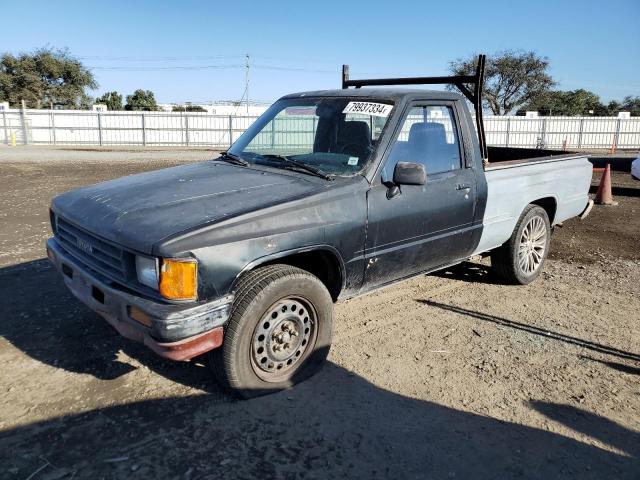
<point>254,109</point>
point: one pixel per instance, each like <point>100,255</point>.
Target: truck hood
<point>141,210</point>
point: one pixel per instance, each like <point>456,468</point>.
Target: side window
<point>428,136</point>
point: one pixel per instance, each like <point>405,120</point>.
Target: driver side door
<point>421,227</point>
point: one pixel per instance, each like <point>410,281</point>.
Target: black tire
<point>263,292</point>
<point>505,260</point>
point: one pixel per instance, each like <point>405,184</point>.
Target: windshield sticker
<point>352,161</point>
<point>369,108</point>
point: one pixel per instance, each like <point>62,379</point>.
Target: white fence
<point>567,132</point>
<point>72,127</point>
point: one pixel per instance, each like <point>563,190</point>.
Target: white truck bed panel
<point>513,185</point>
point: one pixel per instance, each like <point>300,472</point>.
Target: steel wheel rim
<point>283,338</point>
<point>533,244</point>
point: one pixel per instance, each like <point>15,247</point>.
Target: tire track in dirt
<point>385,305</point>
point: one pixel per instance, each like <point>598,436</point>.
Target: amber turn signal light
<point>179,279</point>
<point>139,316</point>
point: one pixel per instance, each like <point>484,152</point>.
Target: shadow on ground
<point>335,425</point>
<point>619,191</point>
<point>546,333</point>
<point>470,272</point>
<point>621,367</point>
<point>44,320</point>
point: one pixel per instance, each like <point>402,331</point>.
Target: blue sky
<point>300,45</point>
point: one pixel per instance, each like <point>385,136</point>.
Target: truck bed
<point>514,183</point>
<point>506,157</point>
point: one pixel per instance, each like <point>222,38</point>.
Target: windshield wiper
<point>233,158</point>
<point>301,165</point>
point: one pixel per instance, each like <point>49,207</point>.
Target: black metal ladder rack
<point>474,95</point>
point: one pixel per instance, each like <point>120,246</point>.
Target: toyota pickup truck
<point>328,195</point>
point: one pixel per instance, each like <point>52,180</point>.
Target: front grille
<point>94,252</point>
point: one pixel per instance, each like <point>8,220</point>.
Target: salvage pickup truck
<point>328,195</point>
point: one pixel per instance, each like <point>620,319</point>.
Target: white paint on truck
<point>512,186</point>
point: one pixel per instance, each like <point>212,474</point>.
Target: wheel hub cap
<point>281,338</point>
<point>533,244</point>
<point>284,339</point>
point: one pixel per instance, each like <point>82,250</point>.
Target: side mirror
<point>409,173</point>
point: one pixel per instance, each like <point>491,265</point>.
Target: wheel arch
<point>549,204</point>
<point>323,261</point>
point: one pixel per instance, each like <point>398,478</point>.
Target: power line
<point>236,66</point>
<point>293,69</point>
<point>101,58</point>
<point>175,67</point>
<point>136,68</point>
<point>151,68</point>
<point>147,58</point>
<point>208,67</point>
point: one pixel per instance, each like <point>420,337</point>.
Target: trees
<point>631,104</point>
<point>141,100</point>
<point>43,78</point>
<point>512,78</point>
<point>579,102</point>
<point>188,108</point>
<point>518,80</point>
<point>566,103</point>
<point>113,100</point>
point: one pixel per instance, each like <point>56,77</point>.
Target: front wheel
<point>279,332</point>
<point>520,260</point>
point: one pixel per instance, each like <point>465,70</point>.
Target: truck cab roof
<point>392,94</point>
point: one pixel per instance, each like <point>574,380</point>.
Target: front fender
<point>219,266</point>
<point>270,258</point>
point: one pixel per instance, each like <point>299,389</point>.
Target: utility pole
<point>246,80</point>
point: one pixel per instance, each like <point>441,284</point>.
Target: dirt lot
<point>445,376</point>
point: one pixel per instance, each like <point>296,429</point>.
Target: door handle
<point>463,186</point>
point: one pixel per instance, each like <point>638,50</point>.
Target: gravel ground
<point>451,375</point>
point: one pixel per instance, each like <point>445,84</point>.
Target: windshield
<point>333,135</point>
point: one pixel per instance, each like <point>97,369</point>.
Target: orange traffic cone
<point>603,195</point>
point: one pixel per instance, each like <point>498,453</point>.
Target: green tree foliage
<point>512,78</point>
<point>43,78</point>
<point>188,108</point>
<point>141,100</point>
<point>113,100</point>
<point>569,103</point>
<point>579,103</point>
<point>631,104</point>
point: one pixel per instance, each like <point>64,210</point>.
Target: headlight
<point>179,279</point>
<point>147,271</point>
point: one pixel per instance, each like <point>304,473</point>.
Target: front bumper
<point>173,331</point>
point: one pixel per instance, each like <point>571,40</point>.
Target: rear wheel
<point>520,260</point>
<point>279,332</point>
